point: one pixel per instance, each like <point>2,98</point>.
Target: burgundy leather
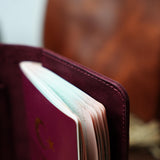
<point>105,90</point>
<point>54,137</point>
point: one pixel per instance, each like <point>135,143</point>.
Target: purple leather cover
<point>10,77</point>
<point>52,134</point>
<point>103,89</point>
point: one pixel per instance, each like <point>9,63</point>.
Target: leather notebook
<point>37,117</point>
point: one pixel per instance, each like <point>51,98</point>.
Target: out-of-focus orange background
<point>120,39</point>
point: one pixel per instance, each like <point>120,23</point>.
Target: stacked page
<point>63,121</point>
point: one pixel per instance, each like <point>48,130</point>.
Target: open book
<point>64,122</point>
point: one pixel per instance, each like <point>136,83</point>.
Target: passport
<point>63,121</point>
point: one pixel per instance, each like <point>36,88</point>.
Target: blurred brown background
<point>119,38</point>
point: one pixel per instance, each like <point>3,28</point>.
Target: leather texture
<point>103,89</point>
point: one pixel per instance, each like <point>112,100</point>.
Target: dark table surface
<point>140,154</point>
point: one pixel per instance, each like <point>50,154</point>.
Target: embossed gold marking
<point>51,144</point>
<point>38,122</point>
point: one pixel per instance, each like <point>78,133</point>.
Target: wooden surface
<point>120,39</point>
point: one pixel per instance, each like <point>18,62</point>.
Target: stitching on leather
<point>98,79</point>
